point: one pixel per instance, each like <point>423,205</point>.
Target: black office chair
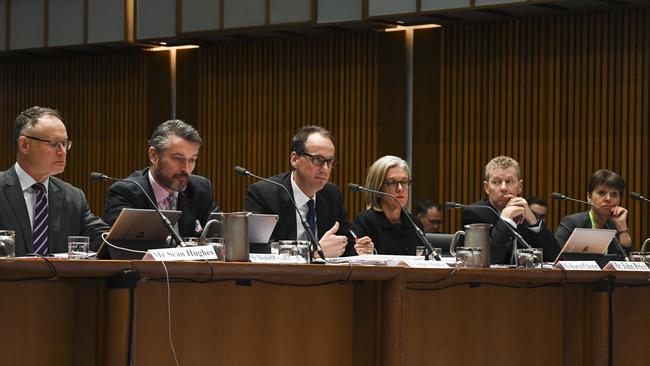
<point>440,241</point>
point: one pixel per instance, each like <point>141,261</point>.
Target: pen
<point>354,235</point>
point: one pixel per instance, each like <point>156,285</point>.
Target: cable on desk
<point>52,275</point>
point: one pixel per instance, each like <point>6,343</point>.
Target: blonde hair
<point>377,174</point>
<point>501,162</point>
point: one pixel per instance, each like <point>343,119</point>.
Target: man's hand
<point>364,245</point>
<point>517,210</point>
<point>333,245</point>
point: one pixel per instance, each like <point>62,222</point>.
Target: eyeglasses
<point>53,144</point>
<point>320,160</point>
<point>393,183</point>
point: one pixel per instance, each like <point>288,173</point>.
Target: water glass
<point>190,241</point>
<point>275,247</point>
<point>468,257</point>
<point>530,258</point>
<point>7,243</point>
<point>287,248</point>
<point>219,246</point>
<point>302,251</point>
<point>78,247</point>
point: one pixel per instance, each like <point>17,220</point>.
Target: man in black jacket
<point>173,151</point>
<point>320,202</point>
<point>503,186</point>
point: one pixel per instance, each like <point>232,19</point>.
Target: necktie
<point>311,216</point>
<point>171,205</point>
<point>41,214</point>
<point>171,202</point>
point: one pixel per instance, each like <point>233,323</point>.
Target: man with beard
<point>173,152</point>
<point>503,187</point>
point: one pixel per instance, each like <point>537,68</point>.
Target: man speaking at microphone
<point>320,202</point>
<point>173,152</point>
<point>503,186</point>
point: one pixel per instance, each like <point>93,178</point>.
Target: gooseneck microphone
<point>314,242</point>
<point>103,177</point>
<point>454,205</point>
<point>357,188</point>
<point>617,244</point>
<point>638,197</point>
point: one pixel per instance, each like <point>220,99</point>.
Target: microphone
<point>423,240</point>
<point>314,242</point>
<point>103,177</point>
<point>617,244</point>
<point>638,197</point>
<point>454,205</point>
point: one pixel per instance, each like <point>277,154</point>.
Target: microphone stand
<point>518,237</point>
<point>428,249</point>
<point>617,244</point>
<point>163,218</point>
<point>315,245</point>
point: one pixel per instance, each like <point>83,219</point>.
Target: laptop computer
<point>588,245</point>
<point>260,228</point>
<point>137,229</point>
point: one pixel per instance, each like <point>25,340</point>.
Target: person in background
<point>539,207</point>
<point>383,220</point>
<point>604,191</point>
<point>41,209</point>
<point>430,215</point>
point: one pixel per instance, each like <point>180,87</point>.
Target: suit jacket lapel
<point>55,207</point>
<point>16,199</point>
<point>322,212</point>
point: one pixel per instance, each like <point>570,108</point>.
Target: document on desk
<point>377,259</point>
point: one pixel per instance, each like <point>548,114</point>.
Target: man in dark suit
<point>503,186</point>
<point>41,209</point>
<point>173,151</point>
<point>320,202</point>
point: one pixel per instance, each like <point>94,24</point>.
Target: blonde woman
<point>383,221</point>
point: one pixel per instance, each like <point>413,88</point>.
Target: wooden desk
<point>261,314</point>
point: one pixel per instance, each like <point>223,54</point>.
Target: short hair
<point>501,162</point>
<point>377,174</point>
<point>301,136</point>
<point>426,205</point>
<point>607,178</point>
<point>537,201</point>
<point>28,118</point>
<point>160,136</point>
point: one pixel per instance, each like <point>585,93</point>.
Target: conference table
<point>98,312</point>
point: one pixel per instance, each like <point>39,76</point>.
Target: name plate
<point>426,264</point>
<point>274,258</point>
<point>181,254</point>
<point>626,266</point>
<point>579,265</point>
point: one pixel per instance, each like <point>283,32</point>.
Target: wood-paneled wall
<point>103,101</point>
<point>254,96</point>
<point>564,95</point>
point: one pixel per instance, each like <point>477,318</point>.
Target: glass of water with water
<point>78,247</point>
<point>7,243</point>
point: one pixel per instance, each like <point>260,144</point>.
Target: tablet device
<point>583,242</point>
<point>260,226</point>
<point>137,229</point>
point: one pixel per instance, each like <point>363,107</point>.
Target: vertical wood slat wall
<point>102,99</point>
<point>254,96</point>
<point>564,95</point>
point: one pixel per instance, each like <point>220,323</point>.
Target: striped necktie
<point>41,214</point>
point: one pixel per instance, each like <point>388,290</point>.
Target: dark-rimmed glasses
<point>320,160</point>
<point>393,183</point>
<point>53,144</point>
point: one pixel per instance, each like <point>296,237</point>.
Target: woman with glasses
<point>383,221</point>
